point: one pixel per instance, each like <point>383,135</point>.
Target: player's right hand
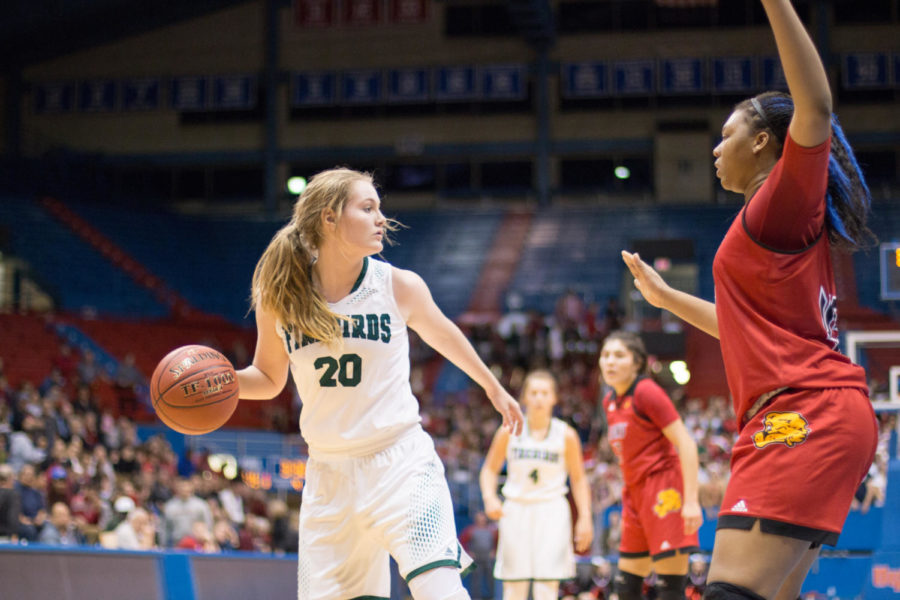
<point>509,409</point>
<point>493,508</point>
<point>692,515</point>
<point>648,282</point>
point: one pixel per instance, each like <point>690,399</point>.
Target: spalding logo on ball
<point>194,389</point>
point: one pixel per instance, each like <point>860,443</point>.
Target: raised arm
<point>696,311</point>
<point>425,318</point>
<point>265,377</point>
<point>805,75</point>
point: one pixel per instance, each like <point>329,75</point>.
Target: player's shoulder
<point>404,278</point>
<point>568,431</point>
<point>646,385</point>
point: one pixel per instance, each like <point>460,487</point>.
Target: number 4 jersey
<point>536,468</point>
<point>356,394</point>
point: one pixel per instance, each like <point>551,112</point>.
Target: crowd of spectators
<point>74,472</point>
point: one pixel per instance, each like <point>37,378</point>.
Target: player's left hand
<point>584,534</point>
<point>508,408</point>
<point>692,516</point>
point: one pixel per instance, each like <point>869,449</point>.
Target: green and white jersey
<point>536,469</point>
<point>356,396</point>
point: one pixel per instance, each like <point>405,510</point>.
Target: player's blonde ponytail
<point>282,280</point>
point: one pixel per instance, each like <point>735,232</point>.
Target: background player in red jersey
<point>660,509</point>
<point>808,432</point>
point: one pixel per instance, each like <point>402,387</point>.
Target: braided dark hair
<point>847,199</point>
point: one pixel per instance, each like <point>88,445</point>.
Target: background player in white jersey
<point>337,321</point>
<point>535,546</point>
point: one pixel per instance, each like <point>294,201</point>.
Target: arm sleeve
<point>788,211</point>
<point>652,401</point>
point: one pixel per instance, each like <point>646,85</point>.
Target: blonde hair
<point>540,374</point>
<point>282,280</point>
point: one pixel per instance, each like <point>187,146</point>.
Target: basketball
<point>194,389</point>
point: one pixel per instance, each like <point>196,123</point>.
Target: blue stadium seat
<point>70,270</point>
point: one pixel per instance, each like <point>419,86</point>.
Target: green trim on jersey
<point>362,274</point>
<point>433,565</point>
<point>468,569</point>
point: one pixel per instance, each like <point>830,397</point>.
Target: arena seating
<point>76,275</point>
<point>578,248</point>
<point>210,260</point>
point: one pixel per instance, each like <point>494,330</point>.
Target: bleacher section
<point>447,249</point>
<point>73,273</point>
<point>578,248</point>
<point>27,349</point>
<point>208,260</point>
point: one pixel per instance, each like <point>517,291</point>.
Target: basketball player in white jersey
<point>535,545</point>
<point>337,320</point>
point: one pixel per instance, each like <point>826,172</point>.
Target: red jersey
<point>636,421</point>
<point>777,310</point>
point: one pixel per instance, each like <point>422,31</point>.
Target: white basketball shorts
<point>535,541</point>
<point>357,511</point>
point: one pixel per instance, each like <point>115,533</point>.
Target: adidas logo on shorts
<point>741,506</point>
<point>665,545</point>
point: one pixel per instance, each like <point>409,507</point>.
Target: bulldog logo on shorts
<point>788,428</point>
<point>668,500</point>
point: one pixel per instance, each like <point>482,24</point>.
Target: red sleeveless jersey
<point>636,421</point>
<point>777,310</point>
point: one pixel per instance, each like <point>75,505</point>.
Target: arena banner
<point>234,92</point>
<point>314,14</point>
<point>865,70</point>
<point>503,82</point>
<point>409,11</point>
<point>141,93</point>
<point>634,77</point>
<point>683,76</point>
<point>189,93</point>
<point>585,79</point>
<point>456,83</point>
<point>54,97</point>
<point>408,85</point>
<point>361,12</point>
<point>313,88</point>
<point>362,86</point>
<point>884,579</point>
<point>97,95</point>
<point>733,75</point>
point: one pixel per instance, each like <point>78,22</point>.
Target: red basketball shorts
<point>651,518</point>
<point>798,462</point>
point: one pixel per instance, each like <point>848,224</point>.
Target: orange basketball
<point>194,389</point>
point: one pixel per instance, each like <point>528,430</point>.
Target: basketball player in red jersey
<point>808,431</point>
<point>660,510</point>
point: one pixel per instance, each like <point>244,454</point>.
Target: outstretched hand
<point>508,408</point>
<point>648,282</point>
